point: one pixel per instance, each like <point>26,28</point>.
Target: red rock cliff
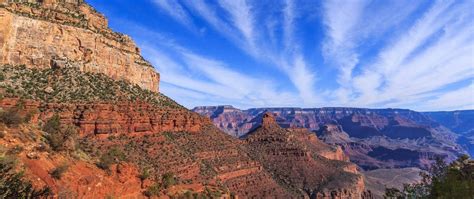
<point>109,119</point>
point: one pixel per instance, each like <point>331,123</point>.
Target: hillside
<point>81,116</point>
<point>111,142</point>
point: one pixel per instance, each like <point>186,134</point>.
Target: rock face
<point>80,179</point>
<point>459,122</point>
<point>302,163</point>
<point>373,138</point>
<point>114,119</point>
<point>233,121</point>
<point>51,33</point>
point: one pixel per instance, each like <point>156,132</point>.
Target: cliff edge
<point>53,33</point>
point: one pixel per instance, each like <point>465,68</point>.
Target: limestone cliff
<point>51,33</point>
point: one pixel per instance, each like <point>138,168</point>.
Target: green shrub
<point>13,185</point>
<point>168,180</point>
<point>11,118</point>
<point>455,180</point>
<point>188,195</point>
<point>60,137</point>
<point>58,172</point>
<point>144,175</point>
<point>112,156</point>
<point>15,150</point>
<point>153,190</point>
<point>52,125</point>
<point>29,116</point>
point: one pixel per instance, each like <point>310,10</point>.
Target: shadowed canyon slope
<point>81,114</point>
<point>459,122</point>
<point>373,138</point>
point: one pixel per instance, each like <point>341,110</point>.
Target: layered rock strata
<point>113,119</point>
<point>299,161</point>
<point>373,138</point>
<point>51,33</point>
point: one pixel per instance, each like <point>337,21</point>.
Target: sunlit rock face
<point>42,34</point>
<point>300,161</point>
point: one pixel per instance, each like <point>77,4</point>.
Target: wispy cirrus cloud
<point>393,53</point>
<point>341,19</point>
<point>352,24</point>
<point>185,71</point>
<point>435,52</point>
<point>461,98</point>
<point>241,19</point>
<point>175,10</point>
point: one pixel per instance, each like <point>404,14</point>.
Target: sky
<point>305,53</point>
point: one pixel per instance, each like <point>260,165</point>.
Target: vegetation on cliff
<point>63,85</point>
<point>13,184</point>
<point>455,180</point>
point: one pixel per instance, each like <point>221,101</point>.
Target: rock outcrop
<point>51,33</point>
<point>104,119</point>
<point>302,163</point>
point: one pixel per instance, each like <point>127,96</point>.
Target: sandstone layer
<point>103,119</point>
<point>43,34</point>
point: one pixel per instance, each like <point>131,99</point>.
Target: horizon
<point>322,107</point>
<point>411,55</point>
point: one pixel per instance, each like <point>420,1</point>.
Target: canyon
<point>459,122</point>
<point>373,138</point>
<point>81,115</point>
<point>390,146</point>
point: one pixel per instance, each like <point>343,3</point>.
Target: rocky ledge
<point>105,119</point>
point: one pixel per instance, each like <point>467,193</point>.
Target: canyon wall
<point>373,138</point>
<point>104,119</point>
<point>51,33</point>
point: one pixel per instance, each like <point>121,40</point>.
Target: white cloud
<point>412,66</point>
<point>242,20</point>
<point>350,24</point>
<point>205,77</point>
<point>288,25</point>
<point>462,98</point>
<point>175,10</point>
<point>241,16</point>
<point>341,17</point>
<point>411,60</point>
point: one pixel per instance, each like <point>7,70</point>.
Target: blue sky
<point>305,53</point>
